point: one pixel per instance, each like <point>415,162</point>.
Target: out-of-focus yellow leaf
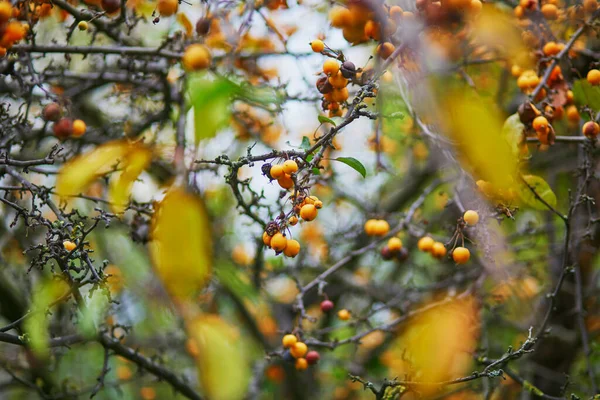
<point>223,364</point>
<point>542,189</point>
<point>136,160</point>
<point>476,127</point>
<point>181,246</point>
<point>36,326</point>
<point>187,25</point>
<point>513,133</point>
<point>75,176</point>
<point>437,344</point>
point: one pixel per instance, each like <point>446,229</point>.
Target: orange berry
<point>570,97</point>
<point>550,11</point>
<point>593,77</point>
<point>338,81</point>
<point>82,26</point>
<point>591,129</point>
<point>298,350</point>
<point>552,48</point>
<point>372,30</point>
<point>396,13</point>
<point>266,239</point>
<point>370,227</point>
<point>573,114</point>
<point>5,11</point>
<point>344,314</point>
<point>196,57</point>
<point>425,243</point>
<point>276,171</point>
<point>394,244</point>
<point>301,364</point>
<point>147,393</point>
<point>385,50</point>
<point>438,250</point>
<point>167,8</point>
<point>461,255</point>
<point>290,166</point>
<point>292,248</point>
<point>471,217</point>
<point>331,67</point>
<point>293,220</point>
<point>318,204</point>
<point>340,95</point>
<point>285,181</point>
<point>13,32</point>
<point>69,246</point>
<point>589,6</point>
<point>79,128</point>
<point>540,124</point>
<point>317,46</point>
<point>278,242</point>
<point>289,340</point>
<point>340,17</point>
<point>382,227</point>
<point>124,373</point>
<point>516,71</point>
<point>308,212</point>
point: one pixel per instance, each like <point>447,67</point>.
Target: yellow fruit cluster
<point>299,351</point>
<point>282,173</point>
<point>428,245</point>
<point>377,227</point>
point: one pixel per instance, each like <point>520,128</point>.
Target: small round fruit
<point>203,26</point>
<point>285,181</point>
<point>331,67</point>
<point>438,250</point>
<point>167,8</point>
<point>461,255</point>
<point>289,340</point>
<point>593,77</point>
<point>312,357</point>
<point>287,356</point>
<point>293,220</point>
<point>550,11</point>
<point>317,46</point>
<point>276,171</point>
<point>338,81</point>
<point>370,227</point>
<point>471,217</point>
<point>402,255</point>
<point>82,26</point>
<point>79,128</point>
<point>344,315</point>
<point>292,248</point>
<point>340,95</point>
<point>196,57</point>
<point>301,364</point>
<point>299,349</point>
<point>385,50</point>
<point>386,253</point>
<point>326,305</point>
<point>278,242</point>
<point>52,112</point>
<point>111,6</point>
<point>308,212</point>
<point>5,11</point>
<point>348,69</point>
<point>425,243</point>
<point>290,166</point>
<point>63,128</point>
<point>266,239</point>
<point>540,124</point>
<point>394,244</point>
<point>318,204</point>
<point>382,227</point>
<point>591,129</point>
<point>69,246</point>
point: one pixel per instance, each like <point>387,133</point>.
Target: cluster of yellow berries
<point>279,243</point>
<point>359,22</point>
<point>283,173</point>
<point>333,84</point>
<point>376,227</point>
<point>428,245</point>
<point>299,352</point>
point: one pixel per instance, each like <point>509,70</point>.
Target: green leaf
<point>211,100</point>
<point>95,311</point>
<point>542,189</point>
<point>305,145</point>
<point>513,133</point>
<point>354,164</point>
<point>316,171</point>
<point>231,278</point>
<point>324,120</point>
<point>586,94</point>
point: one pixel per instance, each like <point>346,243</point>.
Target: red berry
<point>63,128</point>
<point>326,305</point>
<point>386,253</point>
<point>52,112</point>
<point>312,357</point>
<point>111,6</point>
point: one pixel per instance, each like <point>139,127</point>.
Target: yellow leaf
<point>476,127</point>
<point>185,22</point>
<point>36,326</point>
<point>437,344</point>
<point>77,174</point>
<point>223,364</point>
<point>181,246</point>
<point>136,160</point>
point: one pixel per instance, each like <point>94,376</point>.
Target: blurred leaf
<point>77,174</point>
<point>186,24</point>
<point>586,94</point>
<point>136,160</point>
<point>437,344</point>
<point>181,247</point>
<point>211,100</point>
<point>354,164</point>
<point>231,278</point>
<point>513,133</point>
<point>95,311</point>
<point>476,127</point>
<point>223,364</point>
<point>305,145</point>
<point>324,120</point>
<point>36,326</point>
<point>543,190</point>
<point>265,96</point>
